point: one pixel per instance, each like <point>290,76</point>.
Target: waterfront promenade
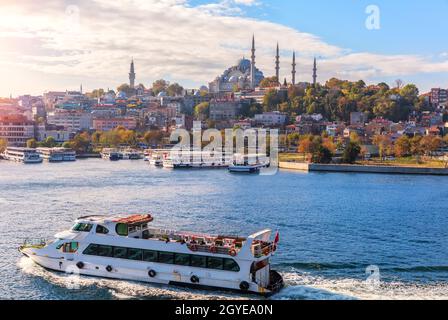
<point>302,166</point>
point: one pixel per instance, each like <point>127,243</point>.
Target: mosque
<point>246,76</point>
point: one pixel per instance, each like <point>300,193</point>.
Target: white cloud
<point>95,41</point>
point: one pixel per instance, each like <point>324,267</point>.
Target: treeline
<point>322,149</point>
<point>86,142</point>
<point>336,99</point>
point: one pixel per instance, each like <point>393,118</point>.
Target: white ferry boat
<point>25,155</point>
<point>57,154</point>
<point>127,248</point>
<point>248,163</point>
<point>129,154</point>
<point>110,154</point>
<point>156,160</point>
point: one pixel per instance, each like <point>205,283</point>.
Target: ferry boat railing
<point>38,243</point>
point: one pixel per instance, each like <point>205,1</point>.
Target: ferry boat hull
<point>243,271</point>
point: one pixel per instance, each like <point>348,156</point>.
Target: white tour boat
<point>156,160</point>
<point>110,154</point>
<point>57,154</point>
<point>248,163</point>
<point>128,248</point>
<point>25,155</point>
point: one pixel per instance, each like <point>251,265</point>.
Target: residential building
<point>274,119</point>
<point>108,124</point>
<point>16,129</point>
<point>224,109</point>
<point>357,118</point>
<point>71,120</point>
<point>439,97</point>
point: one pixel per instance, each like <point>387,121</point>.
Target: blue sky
<point>59,44</point>
<point>407,26</point>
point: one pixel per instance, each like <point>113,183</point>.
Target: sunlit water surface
<point>332,226</point>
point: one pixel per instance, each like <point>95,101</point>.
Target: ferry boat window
<point>214,263</point>
<point>166,257</point>
<point>122,229</point>
<point>182,259</point>
<point>69,247</point>
<point>82,227</point>
<point>199,261</point>
<point>91,250</point>
<point>120,252</point>
<point>231,265</point>
<point>105,251</point>
<point>102,230</point>
<point>135,254</point>
<point>149,256</point>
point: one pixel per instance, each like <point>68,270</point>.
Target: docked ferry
<point>248,163</point>
<point>25,155</point>
<point>110,154</point>
<point>128,248</point>
<point>57,154</point>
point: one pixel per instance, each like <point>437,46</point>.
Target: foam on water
<point>299,286</point>
<point>307,286</point>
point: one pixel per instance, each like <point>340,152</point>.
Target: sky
<point>60,44</point>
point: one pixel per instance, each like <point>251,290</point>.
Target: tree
<point>153,137</point>
<point>50,142</point>
<point>126,89</point>
<point>271,100</point>
<point>269,82</point>
<point>351,152</point>
<point>159,86</point>
<point>174,90</point>
<point>383,143</point>
<point>3,144</point>
<point>322,155</point>
<point>81,143</point>
<point>202,111</point>
<point>31,143</point>
<point>402,146</point>
<point>430,144</point>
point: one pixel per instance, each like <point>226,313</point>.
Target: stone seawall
<point>362,169</point>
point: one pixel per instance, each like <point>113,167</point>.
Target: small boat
<point>110,154</point>
<point>247,163</point>
<point>129,248</point>
<point>156,160</point>
<point>24,155</point>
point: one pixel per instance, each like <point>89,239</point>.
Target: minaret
<point>80,88</point>
<point>294,68</point>
<point>132,76</point>
<point>315,73</point>
<point>277,64</point>
<point>252,65</point>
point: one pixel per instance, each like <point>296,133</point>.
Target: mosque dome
<point>234,79</point>
<point>121,95</point>
<point>243,64</point>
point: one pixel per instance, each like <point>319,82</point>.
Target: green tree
<point>50,142</point>
<point>271,100</point>
<point>322,155</point>
<point>269,82</point>
<point>174,90</point>
<point>126,89</point>
<point>351,152</point>
<point>202,111</point>
<point>159,86</point>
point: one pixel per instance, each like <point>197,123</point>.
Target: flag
<point>277,238</point>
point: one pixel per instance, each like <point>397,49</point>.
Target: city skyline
<point>65,44</point>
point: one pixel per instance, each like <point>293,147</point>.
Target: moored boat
<point>128,248</point>
<point>57,154</point>
<point>110,154</point>
<point>24,155</point>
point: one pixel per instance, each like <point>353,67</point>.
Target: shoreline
<point>349,168</point>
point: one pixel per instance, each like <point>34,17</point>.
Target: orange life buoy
<point>232,252</point>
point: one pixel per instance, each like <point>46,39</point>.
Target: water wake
<point>310,287</point>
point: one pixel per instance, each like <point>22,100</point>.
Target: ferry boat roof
<point>139,219</point>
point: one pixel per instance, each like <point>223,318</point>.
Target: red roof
<point>136,218</point>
